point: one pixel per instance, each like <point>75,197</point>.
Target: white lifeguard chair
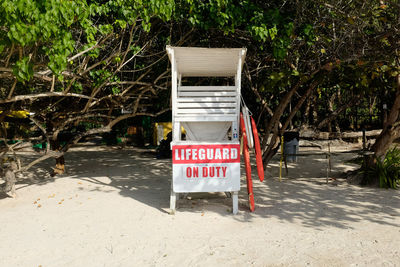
<point>209,159</point>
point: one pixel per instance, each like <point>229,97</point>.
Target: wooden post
<point>328,162</point>
<point>365,156</point>
<point>285,161</point>
<point>364,139</point>
<point>280,164</point>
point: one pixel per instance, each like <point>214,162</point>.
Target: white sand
<point>111,210</point>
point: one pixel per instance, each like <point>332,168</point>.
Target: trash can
<point>291,145</point>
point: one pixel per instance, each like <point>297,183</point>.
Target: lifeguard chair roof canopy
<point>206,62</point>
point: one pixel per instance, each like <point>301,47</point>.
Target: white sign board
<point>206,168</point>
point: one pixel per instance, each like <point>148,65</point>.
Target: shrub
<point>387,170</point>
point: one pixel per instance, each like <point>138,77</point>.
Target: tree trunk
<point>390,131</point>
<point>272,148</point>
<point>371,108</point>
<point>337,126</point>
<point>314,110</point>
<point>9,177</point>
<point>278,113</point>
<point>306,117</point>
<point>274,142</point>
<point>60,165</point>
<point>60,161</point>
<point>299,104</point>
<point>55,146</point>
<point>330,109</point>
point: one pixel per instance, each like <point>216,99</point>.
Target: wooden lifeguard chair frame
<point>207,113</point>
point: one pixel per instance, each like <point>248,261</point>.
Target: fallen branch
<point>41,95</point>
<point>334,135</point>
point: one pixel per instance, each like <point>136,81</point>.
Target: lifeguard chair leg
<point>235,202</point>
<point>172,202</point>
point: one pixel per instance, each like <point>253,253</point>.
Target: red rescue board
<point>257,148</point>
<point>246,156</point>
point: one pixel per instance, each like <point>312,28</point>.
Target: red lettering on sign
<point>212,172</point>
<point>217,168</point>
<point>224,171</point>
<point>195,171</point>
<point>205,172</point>
<point>192,154</point>
<point>188,172</point>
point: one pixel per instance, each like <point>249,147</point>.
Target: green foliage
<point>77,87</point>
<point>286,42</point>
<point>23,69</point>
<point>115,90</point>
<point>387,170</point>
<point>267,26</point>
<point>308,34</point>
<point>100,76</point>
<point>51,25</point>
<point>27,22</point>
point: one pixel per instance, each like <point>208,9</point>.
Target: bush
<point>387,170</point>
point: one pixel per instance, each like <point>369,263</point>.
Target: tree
<point>69,62</point>
<point>356,41</point>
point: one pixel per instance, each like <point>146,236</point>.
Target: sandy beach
<point>111,209</point>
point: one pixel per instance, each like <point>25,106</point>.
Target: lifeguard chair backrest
<point>215,102</point>
<point>209,100</point>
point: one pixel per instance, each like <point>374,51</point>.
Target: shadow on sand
<point>138,175</point>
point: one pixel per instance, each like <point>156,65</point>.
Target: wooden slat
<point>206,88</point>
<point>209,94</point>
<point>206,99</point>
<point>206,105</point>
<point>206,111</point>
<point>209,117</point>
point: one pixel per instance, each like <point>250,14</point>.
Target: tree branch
<point>355,100</point>
<point>109,126</point>
<point>49,154</point>
<point>41,95</point>
<point>96,90</point>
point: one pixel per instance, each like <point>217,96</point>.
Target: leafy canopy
<point>52,26</point>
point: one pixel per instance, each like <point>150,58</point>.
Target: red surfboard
<point>246,156</point>
<point>257,148</point>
